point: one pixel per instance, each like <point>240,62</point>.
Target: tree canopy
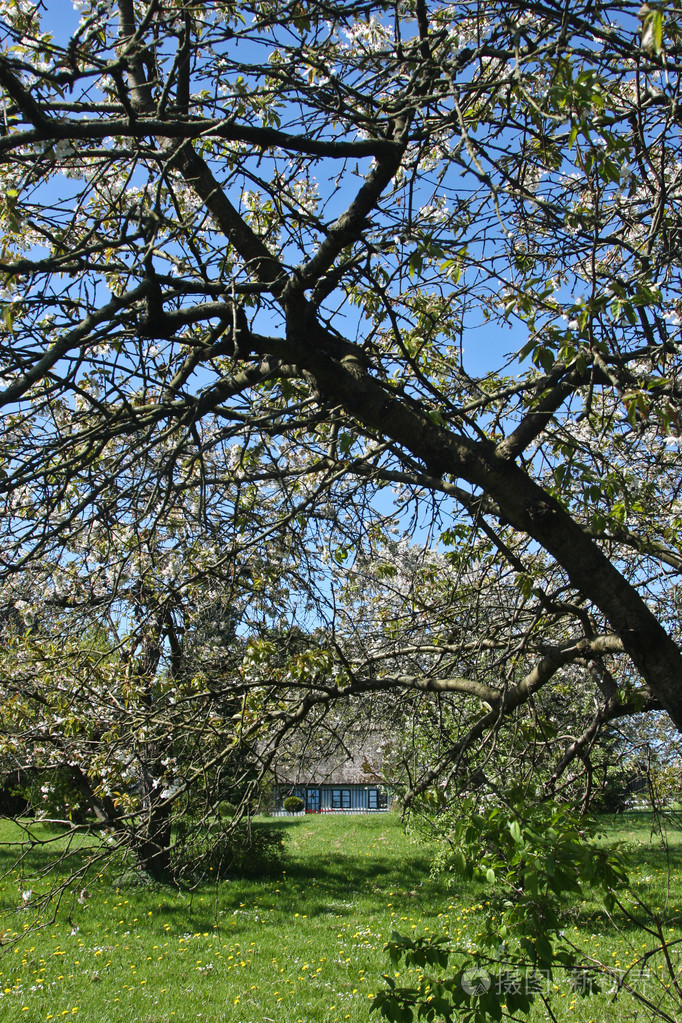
<point>292,289</point>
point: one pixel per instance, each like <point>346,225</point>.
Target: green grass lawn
<point>304,944</point>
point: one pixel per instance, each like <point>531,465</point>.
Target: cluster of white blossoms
<point>370,36</point>
<point>12,11</point>
<point>435,212</point>
<point>305,193</point>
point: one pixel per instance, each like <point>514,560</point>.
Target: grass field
<point>302,945</point>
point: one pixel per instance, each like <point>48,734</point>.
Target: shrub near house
<point>293,804</point>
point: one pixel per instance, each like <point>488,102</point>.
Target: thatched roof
<point>355,760</point>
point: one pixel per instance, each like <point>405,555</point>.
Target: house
<point>348,779</point>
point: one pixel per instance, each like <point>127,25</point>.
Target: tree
<point>280,248</point>
<point>122,653</point>
<point>445,645</point>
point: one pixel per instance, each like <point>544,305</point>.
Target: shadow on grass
<point>40,849</point>
<point>339,864</point>
<point>44,849</point>
<point>325,876</point>
<point>325,868</point>
<point>654,868</point>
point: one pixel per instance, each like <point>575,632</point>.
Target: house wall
<point>328,798</point>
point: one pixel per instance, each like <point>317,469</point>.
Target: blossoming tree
<point>299,253</point>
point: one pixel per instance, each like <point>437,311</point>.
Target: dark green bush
<point>293,804</point>
<point>220,849</point>
<point>13,800</point>
<point>43,792</point>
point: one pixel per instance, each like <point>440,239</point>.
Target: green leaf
<point>459,862</point>
<point>652,27</point>
<point>543,949</point>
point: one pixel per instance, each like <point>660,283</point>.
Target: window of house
<point>373,799</point>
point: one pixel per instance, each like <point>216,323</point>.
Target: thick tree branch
<point>515,697</point>
<point>96,130</point>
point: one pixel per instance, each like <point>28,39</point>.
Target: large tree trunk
<point>152,844</point>
<point>521,501</point>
